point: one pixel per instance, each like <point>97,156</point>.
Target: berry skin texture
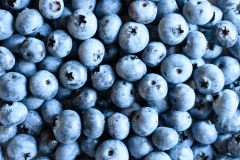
<point>91,52</point>
<point>22,147</point>
<point>152,87</point>
<point>112,149</point>
<point>144,121</point>
<point>7,59</point>
<point>122,94</point>
<point>164,138</point>
<point>13,114</point>
<point>173,29</point>
<point>13,86</point>
<point>133,37</point>
<point>142,11</point>
<point>67,151</point>
<point>6,24</point>
<point>199,132</point>
<point>73,74</point>
<point>137,71</point>
<point>201,9</point>
<point>59,43</point>
<point>82,24</point>
<point>43,85</point>
<point>157,155</point>
<point>225,34</point>
<point>67,126</point>
<point>176,68</point>
<point>28,21</point>
<point>51,9</point>
<point>208,79</point>
<point>118,126</point>
<point>108,28</point>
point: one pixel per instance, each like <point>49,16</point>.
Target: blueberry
<point>157,155</point>
<point>49,109</point>
<point>28,20</point>
<point>13,43</point>
<point>134,142</point>
<point>165,7</point>
<point>93,123</point>
<point>82,4</point>
<point>7,24</point>
<point>33,124</point>
<point>91,52</point>
<point>43,85</point>
<point>51,64</point>
<point>43,158</point>
<point>225,103</point>
<point>118,126</point>
<point>223,157</point>
<point>22,147</point>
<point>24,67</point>
<point>178,120</point>
<point>47,142</point>
<point>173,29</point>
<point>195,45</point>
<point>198,8</point>
<point>102,77</point>
<point>208,79</point>
<point>142,11</point>
<point>51,9</point>
<point>152,87</point>
<point>144,121</point>
<point>89,146</point>
<point>122,93</point>
<point>165,138</point>
<point>137,71</point>
<point>108,28</point>
<point>227,124</point>
<point>232,15</point>
<point>67,151</point>
<point>7,59</point>
<point>199,133</point>
<point>133,37</point>
<point>13,113</point>
<point>225,34</point>
<point>7,133</point>
<point>33,50</point>
<point>13,86</point>
<point>73,74</point>
<point>67,126</point>
<point>112,149</point>
<point>182,97</point>
<point>59,43</point>
<point>176,68</point>
<point>82,24</point>
<point>180,151</point>
<point>106,7</point>
<point>203,151</point>
<point>154,53</point>
<point>221,144</point>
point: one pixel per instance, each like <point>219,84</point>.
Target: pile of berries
<point>119,79</point>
